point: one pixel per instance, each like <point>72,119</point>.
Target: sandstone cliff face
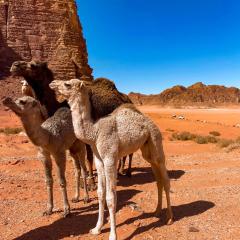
<point>195,95</point>
<point>43,30</point>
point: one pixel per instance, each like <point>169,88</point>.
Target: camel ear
<point>82,85</point>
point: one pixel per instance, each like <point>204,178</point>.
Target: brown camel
<point>53,137</point>
<point>105,97</point>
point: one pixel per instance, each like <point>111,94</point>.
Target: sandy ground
<point>205,187</point>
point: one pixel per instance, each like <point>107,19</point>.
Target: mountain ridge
<point>196,94</point>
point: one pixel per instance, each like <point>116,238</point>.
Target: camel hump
<point>105,97</point>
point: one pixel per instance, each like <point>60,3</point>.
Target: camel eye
<point>22,102</point>
<point>67,85</point>
<point>33,65</point>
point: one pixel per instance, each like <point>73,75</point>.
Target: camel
<point>104,100</point>
<point>53,137</point>
<point>38,76</point>
<point>112,137</point>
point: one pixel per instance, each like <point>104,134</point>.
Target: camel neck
<point>82,120</point>
<point>32,125</point>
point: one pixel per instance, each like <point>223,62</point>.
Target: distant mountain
<point>198,94</point>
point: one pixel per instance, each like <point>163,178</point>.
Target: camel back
<point>105,98</point>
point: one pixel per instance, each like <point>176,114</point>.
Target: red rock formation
<point>195,95</point>
<point>43,30</point>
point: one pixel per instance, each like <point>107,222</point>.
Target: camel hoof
<point>129,174</point>
<point>75,200</point>
<point>95,231</point>
<point>66,213</point>
<point>112,236</point>
<point>47,213</point>
<point>121,173</point>
<point>170,221</point>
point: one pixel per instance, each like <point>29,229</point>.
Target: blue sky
<point>149,45</point>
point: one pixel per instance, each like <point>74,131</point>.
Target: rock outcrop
<point>198,94</point>
<point>43,30</point>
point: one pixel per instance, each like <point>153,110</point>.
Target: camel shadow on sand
<point>144,175</point>
<point>80,221</point>
<point>79,224</point>
<point>180,212</point>
<point>84,218</point>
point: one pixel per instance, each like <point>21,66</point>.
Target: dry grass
<point>187,136</point>
<point>201,140</point>
<point>10,131</point>
<point>232,147</point>
<point>223,143</point>
<point>170,130</point>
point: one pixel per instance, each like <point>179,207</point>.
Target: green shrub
<point>215,133</point>
<point>9,131</point>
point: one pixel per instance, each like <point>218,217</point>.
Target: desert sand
<point>205,184</point>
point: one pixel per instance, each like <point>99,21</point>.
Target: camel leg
<point>101,196</point>
<point>77,169</point>
<point>80,170</point>
<point>60,158</point>
<point>44,157</point>
<point>111,195</point>
<point>166,185</point>
<point>121,166</point>
<point>129,171</point>
<point>158,178</point>
<point>91,183</point>
<point>84,177</point>
<point>78,153</point>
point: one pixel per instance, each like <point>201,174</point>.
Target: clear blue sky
<point>149,45</point>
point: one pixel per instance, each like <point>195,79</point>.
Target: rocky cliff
<point>198,94</point>
<point>43,30</point>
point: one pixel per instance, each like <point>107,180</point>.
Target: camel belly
<point>132,135</point>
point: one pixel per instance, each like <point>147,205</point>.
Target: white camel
<point>112,137</point>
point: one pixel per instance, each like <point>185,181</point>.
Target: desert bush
<point>223,143</point>
<point>183,136</point>
<point>233,146</point>
<point>211,139</point>
<point>170,130</point>
<point>215,133</point>
<point>237,140</point>
<point>9,131</point>
<point>201,139</point>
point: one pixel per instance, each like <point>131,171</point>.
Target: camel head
<point>64,90</point>
<point>28,69</point>
<point>23,106</point>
